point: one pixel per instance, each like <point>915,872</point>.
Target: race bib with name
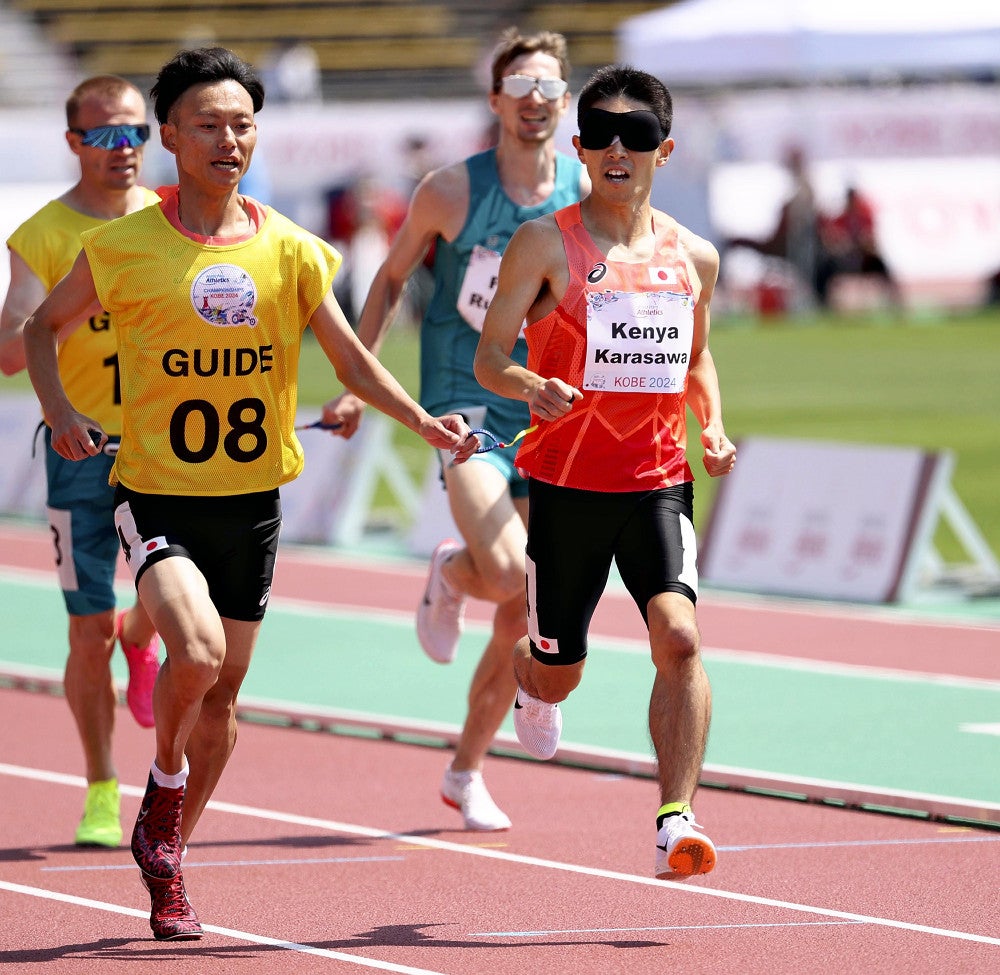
<point>478,286</point>
<point>638,342</point>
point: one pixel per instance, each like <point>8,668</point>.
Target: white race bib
<point>638,342</point>
<point>478,286</point>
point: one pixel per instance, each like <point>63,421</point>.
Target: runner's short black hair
<point>614,80</point>
<point>198,66</point>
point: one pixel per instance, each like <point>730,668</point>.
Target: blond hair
<point>100,86</point>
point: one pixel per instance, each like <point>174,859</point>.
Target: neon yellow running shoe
<point>101,823</point>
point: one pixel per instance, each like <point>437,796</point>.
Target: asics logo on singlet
<point>597,272</point>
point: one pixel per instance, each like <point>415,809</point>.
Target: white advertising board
<point>22,474</point>
<point>825,520</point>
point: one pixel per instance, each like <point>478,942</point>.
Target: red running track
<point>326,853</point>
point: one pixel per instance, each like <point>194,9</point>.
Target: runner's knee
<point>92,636</point>
<point>673,640</point>
<point>196,666</point>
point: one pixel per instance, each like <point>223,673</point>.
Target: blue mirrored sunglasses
<point>114,136</point>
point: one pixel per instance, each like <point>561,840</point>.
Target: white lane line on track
<point>257,939</point>
<point>353,829</point>
<point>628,645</point>
<point>981,729</point>
<point>405,565</point>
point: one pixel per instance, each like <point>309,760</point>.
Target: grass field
<point>931,383</point>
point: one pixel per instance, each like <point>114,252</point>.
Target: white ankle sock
<point>165,781</point>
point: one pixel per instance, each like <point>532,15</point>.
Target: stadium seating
<point>375,48</point>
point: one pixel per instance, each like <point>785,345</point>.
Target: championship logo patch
<point>597,272</point>
<point>225,295</point>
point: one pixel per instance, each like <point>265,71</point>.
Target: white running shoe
<point>467,792</point>
<point>538,725</point>
<point>440,615</point>
<point>681,851</point>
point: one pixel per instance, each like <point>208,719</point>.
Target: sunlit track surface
<point>333,852</point>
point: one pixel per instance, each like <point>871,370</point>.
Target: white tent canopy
<point>723,42</point>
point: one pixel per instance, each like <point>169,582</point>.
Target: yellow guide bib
<point>208,344</point>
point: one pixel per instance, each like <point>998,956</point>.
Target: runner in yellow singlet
<point>210,294</point>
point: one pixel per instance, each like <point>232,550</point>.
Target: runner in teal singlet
<point>468,211</point>
<point>464,276</point>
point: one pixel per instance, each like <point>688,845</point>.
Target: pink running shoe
<point>143,666</point>
<point>171,916</point>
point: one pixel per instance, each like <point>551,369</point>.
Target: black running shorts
<point>233,540</point>
<point>573,537</point>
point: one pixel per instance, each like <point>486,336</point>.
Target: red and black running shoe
<point>171,917</point>
<point>156,839</point>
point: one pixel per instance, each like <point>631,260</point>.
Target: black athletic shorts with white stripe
<point>233,539</point>
<point>574,535</point>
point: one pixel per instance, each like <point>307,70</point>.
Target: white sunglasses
<point>521,85</point>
